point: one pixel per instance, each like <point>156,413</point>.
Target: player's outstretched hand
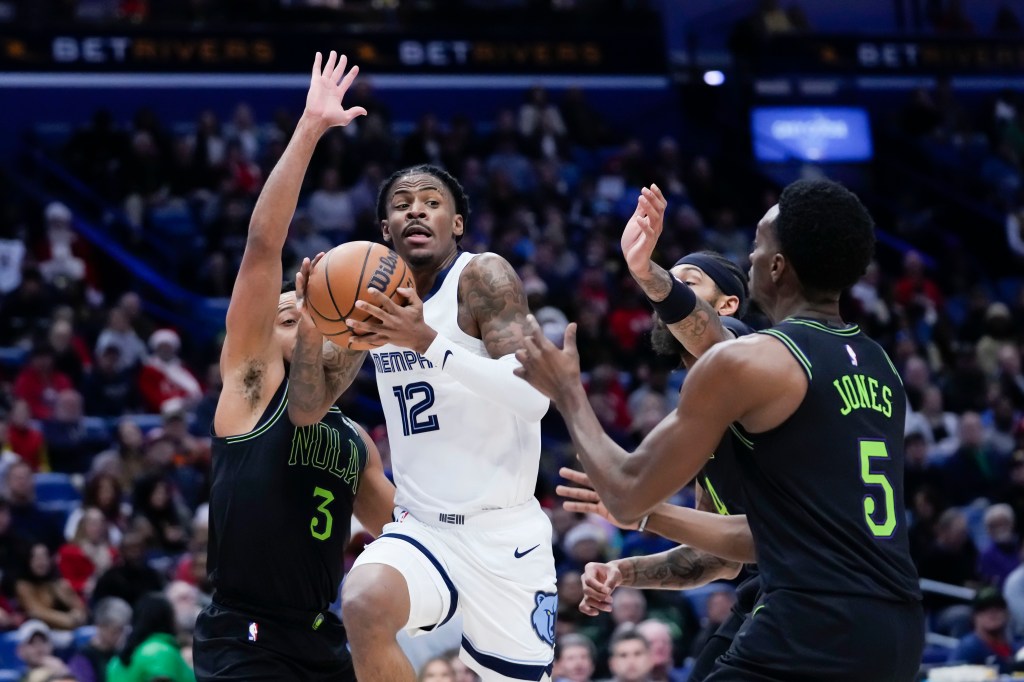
<point>599,581</point>
<point>585,499</point>
<point>641,233</point>
<point>548,369</point>
<point>401,325</point>
<point>301,279</point>
<point>327,87</point>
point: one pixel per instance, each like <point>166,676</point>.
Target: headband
<point>728,281</point>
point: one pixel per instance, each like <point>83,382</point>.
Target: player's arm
<point>680,568</point>
<point>375,499</point>
<point>251,314</point>
<point>493,294</point>
<point>694,323</point>
<point>320,370</point>
<point>748,381</point>
<point>702,528</point>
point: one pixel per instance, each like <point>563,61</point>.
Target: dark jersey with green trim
<point>824,490</point>
<point>720,476</point>
<point>281,507</point>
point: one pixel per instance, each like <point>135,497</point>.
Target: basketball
<point>343,276</point>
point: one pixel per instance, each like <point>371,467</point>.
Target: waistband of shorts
<point>299,618</point>
<point>484,519</point>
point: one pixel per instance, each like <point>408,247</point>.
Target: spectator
<point>71,439</point>
<point>952,558</point>
<point>185,600</point>
<point>998,335</point>
<point>63,258</point>
<point>1010,375</point>
<point>43,594</point>
<point>151,651</point>
<point>574,660</point>
<point>629,657</point>
<point>25,439</point>
<point>330,209</point>
<point>70,354</point>
<point>89,554</point>
<point>119,332</point>
<point>110,390</point>
<point>130,577</point>
<point>89,662</point>
<point>152,501</point>
<point>103,492</point>
<point>14,551</point>
<point>26,311</point>
<point>718,607</point>
<point>12,255</point>
<point>989,642</point>
<point>35,649</point>
<point>975,468</point>
<point>164,376</point>
<point>659,639</point>
<point>39,382</point>
<point>436,670</point>
<point>28,518</point>
<point>938,427</point>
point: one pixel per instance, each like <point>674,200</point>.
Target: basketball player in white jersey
<point>469,537</point>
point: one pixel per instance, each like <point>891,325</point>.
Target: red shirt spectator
<point>25,440</point>
<point>38,383</point>
<point>163,376</point>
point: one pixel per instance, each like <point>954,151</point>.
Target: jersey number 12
<point>413,400</point>
<point>884,527</point>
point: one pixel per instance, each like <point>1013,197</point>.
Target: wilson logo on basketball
<point>381,278</point>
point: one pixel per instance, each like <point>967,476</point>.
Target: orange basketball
<point>343,276</point>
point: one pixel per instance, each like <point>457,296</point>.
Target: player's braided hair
<point>453,185</point>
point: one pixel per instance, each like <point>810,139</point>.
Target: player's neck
<point>824,310</point>
<point>426,275</point>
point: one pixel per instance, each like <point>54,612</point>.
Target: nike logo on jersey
<point>447,354</point>
<point>520,555</point>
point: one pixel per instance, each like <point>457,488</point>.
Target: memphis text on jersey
<point>860,392</point>
<point>399,361</point>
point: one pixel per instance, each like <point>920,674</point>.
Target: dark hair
<point>449,181</point>
<point>826,233</point>
<point>151,614</point>
<point>574,639</point>
<point>625,635</point>
<point>288,285</point>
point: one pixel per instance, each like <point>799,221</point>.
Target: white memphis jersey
<point>452,451</point>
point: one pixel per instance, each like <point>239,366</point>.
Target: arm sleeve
<point>489,378</point>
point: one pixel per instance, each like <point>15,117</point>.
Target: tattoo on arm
<point>320,373</point>
<point>494,296</point>
<point>681,568</point>
<point>341,366</point>
<point>656,284</point>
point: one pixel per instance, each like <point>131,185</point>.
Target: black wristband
<point>679,303</point>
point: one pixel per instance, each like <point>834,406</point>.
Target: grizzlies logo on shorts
<point>543,616</point>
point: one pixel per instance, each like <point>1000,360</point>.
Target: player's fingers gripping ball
<point>343,276</point>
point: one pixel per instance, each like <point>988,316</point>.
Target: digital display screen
<point>811,134</point>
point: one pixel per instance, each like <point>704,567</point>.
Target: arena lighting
<point>714,78</point>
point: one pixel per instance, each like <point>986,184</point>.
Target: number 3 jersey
<point>281,508</point>
<point>824,490</point>
<point>452,451</point>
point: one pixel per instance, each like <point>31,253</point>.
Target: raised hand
<point>599,581</point>
<point>641,233</point>
<point>327,87</point>
<point>301,279</point>
<point>585,499</point>
<point>548,369</point>
<point>401,325</point>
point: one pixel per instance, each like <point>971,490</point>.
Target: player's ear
<point>385,230</point>
<point>458,225</point>
<point>779,265</point>
<point>728,305</point>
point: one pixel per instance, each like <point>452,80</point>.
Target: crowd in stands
<point>106,405</point>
